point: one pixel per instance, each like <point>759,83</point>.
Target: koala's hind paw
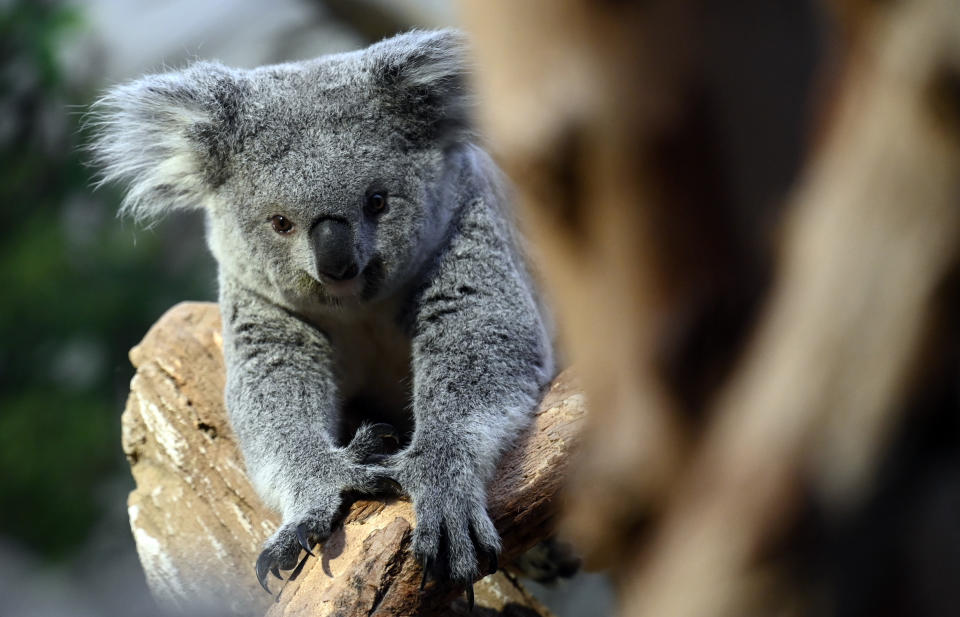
<point>373,439</point>
<point>453,540</point>
<point>370,446</point>
<point>373,443</point>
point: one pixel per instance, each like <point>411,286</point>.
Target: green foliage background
<point>78,288</point>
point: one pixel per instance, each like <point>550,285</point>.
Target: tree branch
<point>198,524</point>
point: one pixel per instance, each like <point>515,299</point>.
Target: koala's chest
<point>372,366</point>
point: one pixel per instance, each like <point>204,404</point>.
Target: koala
<point>373,287</point>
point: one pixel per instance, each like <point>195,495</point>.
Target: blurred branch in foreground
<point>749,452</point>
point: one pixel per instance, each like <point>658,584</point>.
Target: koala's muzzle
<point>333,250</point>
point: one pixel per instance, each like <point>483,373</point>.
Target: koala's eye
<point>376,203</point>
<point>281,224</point>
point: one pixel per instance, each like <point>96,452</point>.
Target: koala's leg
<point>481,357</point>
<point>282,402</point>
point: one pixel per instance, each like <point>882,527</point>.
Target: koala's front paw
<point>282,550</point>
<point>454,536</point>
<point>323,501</point>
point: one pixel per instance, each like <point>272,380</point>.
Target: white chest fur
<point>371,364</point>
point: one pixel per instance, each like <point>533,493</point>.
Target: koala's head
<point>323,181</point>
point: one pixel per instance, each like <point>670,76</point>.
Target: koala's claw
<point>372,442</point>
<point>282,551</point>
<point>296,571</point>
<point>425,566</point>
<point>267,563</point>
<point>490,558</point>
<point>386,484</point>
<point>262,567</point>
<point>302,539</point>
<point>385,432</point>
<point>454,544</point>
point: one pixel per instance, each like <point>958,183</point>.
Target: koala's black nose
<point>333,250</point>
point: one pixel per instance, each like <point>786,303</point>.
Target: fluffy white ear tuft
<point>167,137</point>
<point>430,70</point>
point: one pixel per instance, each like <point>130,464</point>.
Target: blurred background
<point>79,287</point>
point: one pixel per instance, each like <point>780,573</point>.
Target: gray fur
<point>443,321</point>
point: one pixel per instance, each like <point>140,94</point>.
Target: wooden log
<point>198,524</point>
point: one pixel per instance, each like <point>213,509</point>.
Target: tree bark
<point>198,524</point>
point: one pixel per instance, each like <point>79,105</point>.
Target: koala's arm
<point>481,357</point>
<point>282,401</point>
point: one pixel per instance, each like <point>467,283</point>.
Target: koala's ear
<point>168,136</point>
<point>427,73</point>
